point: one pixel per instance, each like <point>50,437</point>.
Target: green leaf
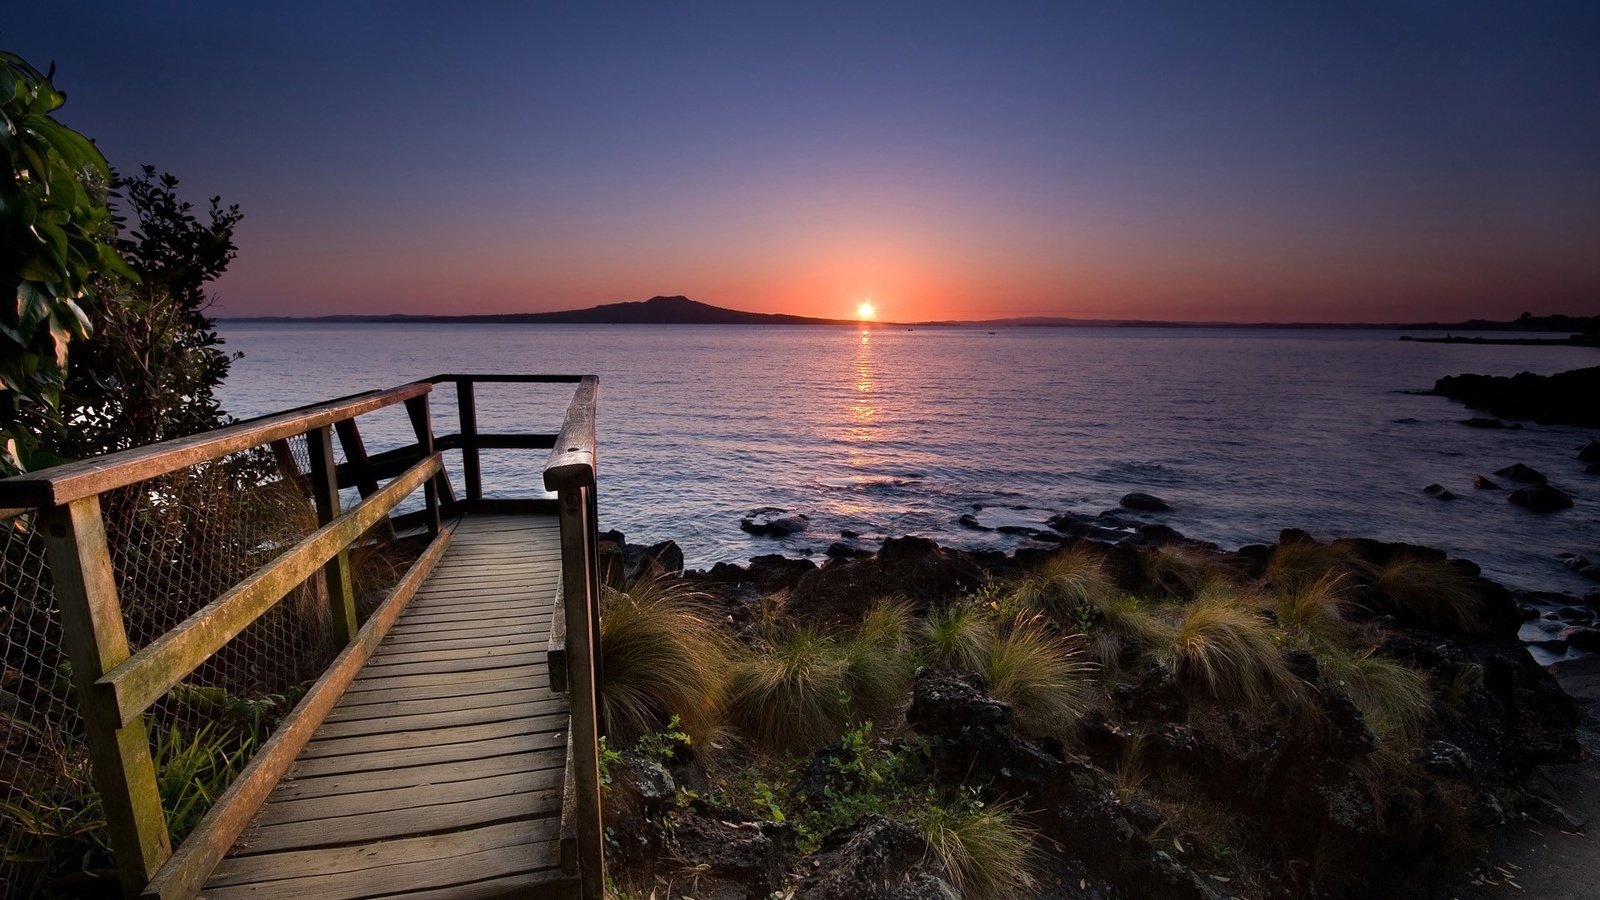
<point>77,150</point>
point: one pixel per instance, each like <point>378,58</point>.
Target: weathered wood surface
<point>439,773</point>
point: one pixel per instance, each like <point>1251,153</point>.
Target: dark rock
<point>1022,530</point>
<point>1479,481</point>
<point>911,567</point>
<point>1576,614</point>
<point>1592,469</point>
<point>1592,599</point>
<point>1541,498</point>
<point>774,522</point>
<point>1439,492</point>
<point>1567,397</point>
<point>849,535</point>
<point>1589,452</point>
<point>1522,473</point>
<point>1585,639</point>
<point>975,735</point>
<point>864,861</point>
<point>924,886</point>
<point>736,859</point>
<point>1155,695</point>
<point>1445,758</point>
<point>968,520</point>
<point>1407,421</point>
<point>1156,534</point>
<point>841,550</point>
<point>1488,423</point>
<point>774,570</point>
<point>1145,502</point>
<point>1347,731</point>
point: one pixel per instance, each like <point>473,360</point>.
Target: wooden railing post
<point>579,601</point>
<point>471,470</point>
<point>336,573</point>
<point>422,423</point>
<point>95,641</point>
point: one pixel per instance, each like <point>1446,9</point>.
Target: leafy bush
<point>1041,675</point>
<point>661,656</point>
<point>987,851</point>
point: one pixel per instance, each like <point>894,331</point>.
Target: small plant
<point>665,745</point>
<point>793,693</point>
<point>1394,699</point>
<point>1070,578</point>
<point>958,636</point>
<point>1040,674</point>
<point>1466,680</point>
<point>988,851</point>
<point>662,657</point>
<point>1228,650</point>
<point>1433,589</point>
<point>193,771</point>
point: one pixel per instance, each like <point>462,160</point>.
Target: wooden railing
<point>115,688</point>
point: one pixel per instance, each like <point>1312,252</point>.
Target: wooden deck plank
<point>439,772</point>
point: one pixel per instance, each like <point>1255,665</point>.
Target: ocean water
<point>887,431</point>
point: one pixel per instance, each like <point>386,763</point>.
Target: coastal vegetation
<point>1147,719</point>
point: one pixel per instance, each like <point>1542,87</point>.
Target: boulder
<point>1541,498</point>
<point>1483,483</point>
<point>1438,492</point>
<point>1521,473</point>
<point>1585,639</point>
<point>864,861</point>
<point>911,567</point>
<point>841,550</point>
<point>774,522</point>
<point>772,571</point>
<point>1144,502</point>
<point>735,859</point>
<point>1589,452</point>
<point>968,520</point>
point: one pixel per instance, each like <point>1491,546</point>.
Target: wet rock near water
<point>624,563</point>
<point>1564,398</point>
<point>1541,498</point>
<point>1144,502</point>
<point>1483,483</point>
<point>1589,452</point>
<point>774,522</point>
<point>1439,492</point>
<point>1523,474</point>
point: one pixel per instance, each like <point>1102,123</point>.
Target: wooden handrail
<point>491,378</point>
<point>572,461</point>
<point>143,678</point>
<point>74,481</point>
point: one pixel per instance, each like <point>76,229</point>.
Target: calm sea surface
<point>891,432</point>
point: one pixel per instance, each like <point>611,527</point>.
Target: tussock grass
<point>877,658</point>
<point>1069,578</point>
<point>1041,675</point>
<point>1431,588</point>
<point>1227,649</point>
<point>1315,609</point>
<point>1178,572</point>
<point>661,655</point>
<point>958,636</point>
<point>987,851</point>
<point>793,693</point>
<point>1296,564</point>
<point>1395,700</point>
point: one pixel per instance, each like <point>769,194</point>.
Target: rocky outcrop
<point>774,522</point>
<point>1144,502</point>
<point>1541,498</point>
<point>1523,474</point>
<point>1566,398</point>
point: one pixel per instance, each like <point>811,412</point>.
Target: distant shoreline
<point>1576,340</point>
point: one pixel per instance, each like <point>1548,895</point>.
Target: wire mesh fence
<point>178,542</point>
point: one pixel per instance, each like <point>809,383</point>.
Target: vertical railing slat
<point>336,573</point>
<point>438,486</point>
<point>471,469</point>
<point>579,603</point>
<point>95,641</point>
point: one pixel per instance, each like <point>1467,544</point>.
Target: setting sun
<point>865,311</point>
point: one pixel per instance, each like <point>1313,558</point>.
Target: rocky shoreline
<point>1566,398</point>
<point>1164,785</point>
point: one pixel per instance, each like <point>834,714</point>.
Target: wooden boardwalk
<point>439,772</point>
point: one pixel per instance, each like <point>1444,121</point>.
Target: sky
<point>1271,161</point>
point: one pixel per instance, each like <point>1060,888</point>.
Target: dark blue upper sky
<point>1248,161</point>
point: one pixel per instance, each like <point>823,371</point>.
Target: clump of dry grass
<point>958,636</point>
<point>1297,563</point>
<point>1040,673</point>
<point>1177,572</point>
<point>661,655</point>
<point>1431,588</point>
<point>1395,700</point>
<point>987,851</point>
<point>1315,609</point>
<point>792,693</point>
<point>877,658</point>
<point>1227,649</point>
<point>1069,578</point>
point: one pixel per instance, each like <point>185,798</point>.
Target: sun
<point>865,311</point>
